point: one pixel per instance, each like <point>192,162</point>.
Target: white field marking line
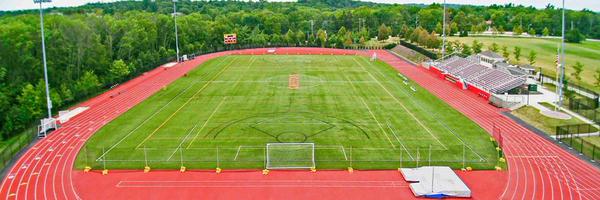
<point>237,153</point>
<point>344,151</point>
<point>192,130</point>
<point>372,115</point>
<point>394,133</point>
<point>443,124</point>
<point>378,124</point>
<point>148,119</point>
<point>185,138</point>
<point>206,122</point>
<point>184,104</point>
<point>252,58</point>
<point>401,104</point>
<point>287,81</point>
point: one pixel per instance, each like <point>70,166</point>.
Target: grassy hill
<point>587,52</point>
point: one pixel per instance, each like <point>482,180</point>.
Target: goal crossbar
<point>290,156</point>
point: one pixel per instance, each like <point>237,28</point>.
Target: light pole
<point>562,59</point>
<point>176,35</point>
<point>48,100</point>
<point>444,33</point>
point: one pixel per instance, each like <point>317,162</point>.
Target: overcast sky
<point>570,4</point>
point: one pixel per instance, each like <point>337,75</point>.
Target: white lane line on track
<point>263,184</point>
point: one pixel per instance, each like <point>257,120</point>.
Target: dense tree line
<point>95,46</point>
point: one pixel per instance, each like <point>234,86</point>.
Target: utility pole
<point>48,100</point>
<point>444,33</point>
<point>176,34</point>
<point>562,59</point>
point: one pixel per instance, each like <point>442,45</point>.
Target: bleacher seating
<point>493,80</point>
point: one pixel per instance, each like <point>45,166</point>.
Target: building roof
<point>491,54</point>
<point>526,66</point>
<point>502,64</point>
<point>516,71</point>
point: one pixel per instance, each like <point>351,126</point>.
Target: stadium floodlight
<point>562,60</point>
<point>444,33</point>
<point>48,100</point>
<point>176,35</point>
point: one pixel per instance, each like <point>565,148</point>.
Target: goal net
<point>290,156</point>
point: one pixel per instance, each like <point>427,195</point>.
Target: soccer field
<point>357,113</point>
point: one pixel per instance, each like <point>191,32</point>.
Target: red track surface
<point>538,169</point>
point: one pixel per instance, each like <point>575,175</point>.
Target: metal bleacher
<point>494,80</point>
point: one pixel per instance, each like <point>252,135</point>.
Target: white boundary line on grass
<point>344,151</point>
<point>252,59</point>
<point>442,123</point>
<point>237,153</point>
<point>201,128</point>
<point>401,104</point>
<point>184,104</point>
<point>206,122</point>
<point>150,117</point>
<point>399,141</point>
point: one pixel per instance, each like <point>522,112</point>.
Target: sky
<point>570,4</point>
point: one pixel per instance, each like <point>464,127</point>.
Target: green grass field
<point>586,52</point>
<point>357,112</point>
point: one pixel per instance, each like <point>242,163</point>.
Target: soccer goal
<point>290,156</point>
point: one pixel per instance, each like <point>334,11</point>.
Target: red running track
<point>538,168</point>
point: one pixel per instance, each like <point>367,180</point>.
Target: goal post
<point>290,156</point>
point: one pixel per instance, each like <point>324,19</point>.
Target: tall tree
<point>597,78</point>
<point>531,58</point>
<point>384,32</point>
<point>477,46</point>
<point>546,32</point>
<point>505,52</point>
<point>493,47</point>
<point>517,53</point>
<point>578,68</point>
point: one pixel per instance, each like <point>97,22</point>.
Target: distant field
<point>226,111</point>
<point>587,53</point>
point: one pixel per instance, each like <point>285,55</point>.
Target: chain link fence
<point>254,157</point>
<point>581,137</point>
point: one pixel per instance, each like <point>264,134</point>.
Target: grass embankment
<point>532,116</point>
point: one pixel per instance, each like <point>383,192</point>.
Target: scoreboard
<point>230,38</point>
